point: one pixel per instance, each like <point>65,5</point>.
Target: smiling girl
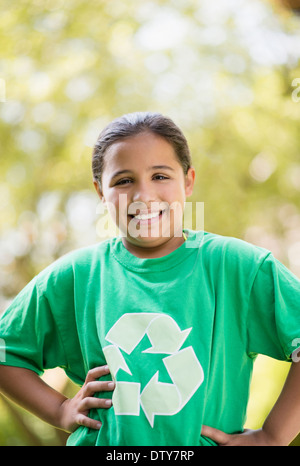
<point>169,320</point>
<point>149,167</point>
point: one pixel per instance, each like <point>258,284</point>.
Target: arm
<point>283,422</point>
<point>281,426</point>
<point>27,389</point>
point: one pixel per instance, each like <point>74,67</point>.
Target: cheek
<point>117,207</point>
<point>174,193</point>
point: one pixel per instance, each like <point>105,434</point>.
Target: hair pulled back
<point>132,124</point>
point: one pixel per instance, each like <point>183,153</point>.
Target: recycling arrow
<point>162,330</point>
<point>168,399</point>
<point>116,360</point>
<point>182,365</point>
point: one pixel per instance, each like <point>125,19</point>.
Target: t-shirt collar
<point>159,264</point>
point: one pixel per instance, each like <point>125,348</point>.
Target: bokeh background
<point>227,72</point>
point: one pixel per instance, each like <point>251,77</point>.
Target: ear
<point>190,181</point>
<point>99,191</point>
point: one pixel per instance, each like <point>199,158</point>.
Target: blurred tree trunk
<point>292,4</point>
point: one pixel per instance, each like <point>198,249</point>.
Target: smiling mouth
<point>147,217</point>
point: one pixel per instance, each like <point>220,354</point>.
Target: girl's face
<point>144,188</point>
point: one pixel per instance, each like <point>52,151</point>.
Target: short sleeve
<point>29,336</point>
<point>274,311</point>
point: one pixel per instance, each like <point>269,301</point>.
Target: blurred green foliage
<point>223,71</point>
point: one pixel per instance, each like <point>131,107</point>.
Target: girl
<point>177,317</point>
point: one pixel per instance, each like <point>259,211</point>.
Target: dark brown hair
<point>133,124</point>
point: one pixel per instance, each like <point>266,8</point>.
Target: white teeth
<point>146,216</point>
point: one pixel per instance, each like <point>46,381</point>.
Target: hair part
<point>132,124</point>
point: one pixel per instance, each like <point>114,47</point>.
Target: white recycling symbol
<point>183,367</point>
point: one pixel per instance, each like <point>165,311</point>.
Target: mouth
<point>147,217</point>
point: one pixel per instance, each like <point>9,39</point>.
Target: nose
<point>144,192</point>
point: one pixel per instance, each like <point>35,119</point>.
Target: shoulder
<point>85,259</point>
<point>87,255</point>
<point>230,250</point>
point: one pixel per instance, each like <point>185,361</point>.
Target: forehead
<point>142,149</point>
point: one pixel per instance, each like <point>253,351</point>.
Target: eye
<point>123,181</point>
<point>160,177</point>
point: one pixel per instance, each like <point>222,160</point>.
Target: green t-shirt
<point>180,333</point>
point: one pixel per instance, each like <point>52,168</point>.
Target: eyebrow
<point>155,167</point>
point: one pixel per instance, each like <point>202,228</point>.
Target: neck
<point>144,251</point>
